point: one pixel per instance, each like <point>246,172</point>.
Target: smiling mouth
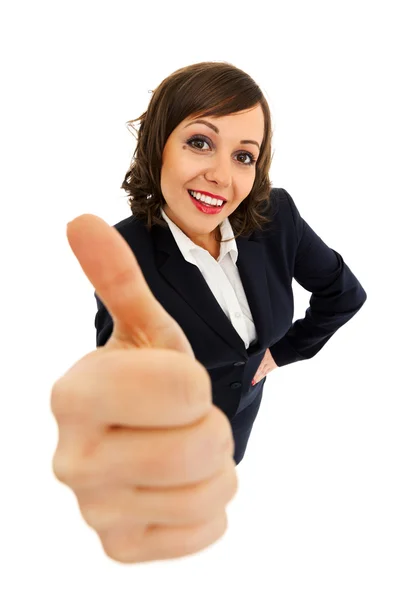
<point>212,205</point>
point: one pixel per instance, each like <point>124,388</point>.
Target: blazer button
<point>236,384</point>
<point>239,364</point>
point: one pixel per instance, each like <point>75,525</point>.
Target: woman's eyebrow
<point>215,128</point>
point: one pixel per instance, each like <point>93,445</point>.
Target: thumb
<point>111,266</point>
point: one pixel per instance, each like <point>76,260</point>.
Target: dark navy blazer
<point>268,260</point>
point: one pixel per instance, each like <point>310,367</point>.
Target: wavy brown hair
<point>199,90</point>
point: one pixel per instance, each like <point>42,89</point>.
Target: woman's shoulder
<point>277,207</point>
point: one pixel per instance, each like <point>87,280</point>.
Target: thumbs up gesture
<point>146,453</point>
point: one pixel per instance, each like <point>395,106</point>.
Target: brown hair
<point>203,89</point>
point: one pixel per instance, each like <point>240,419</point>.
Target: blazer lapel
<point>190,284</point>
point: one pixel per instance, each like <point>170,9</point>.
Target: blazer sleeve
<point>336,294</point>
<point>103,323</point>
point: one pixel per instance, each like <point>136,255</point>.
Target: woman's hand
<point>266,366</point>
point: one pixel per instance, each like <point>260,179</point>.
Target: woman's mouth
<point>207,209</point>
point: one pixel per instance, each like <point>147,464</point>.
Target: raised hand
<point>147,454</point>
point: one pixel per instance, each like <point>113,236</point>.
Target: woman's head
<point>228,156</point>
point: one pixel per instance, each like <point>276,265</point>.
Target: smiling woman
<point>207,129</point>
<point>222,272</point>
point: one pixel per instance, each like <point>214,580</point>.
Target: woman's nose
<point>221,172</point>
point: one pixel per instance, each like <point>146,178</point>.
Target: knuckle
<point>229,482</point>
<point>121,554</point>
<point>125,546</point>
<point>202,447</point>
<point>67,400</point>
<point>100,517</point>
<point>58,401</point>
<point>112,548</point>
<point>73,393</point>
<point>216,525</point>
<point>233,485</point>
<point>206,503</point>
<point>112,551</point>
<point>62,468</point>
<point>196,381</point>
<point>209,498</point>
<point>224,433</point>
<point>224,523</point>
<point>196,506</point>
<point>71,470</point>
<point>57,470</point>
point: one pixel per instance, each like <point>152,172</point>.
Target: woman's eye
<point>200,140</point>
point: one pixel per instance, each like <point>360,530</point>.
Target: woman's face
<point>214,158</point>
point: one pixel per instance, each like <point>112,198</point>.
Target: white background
<point>317,511</point>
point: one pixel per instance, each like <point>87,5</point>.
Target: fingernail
<point>253,382</point>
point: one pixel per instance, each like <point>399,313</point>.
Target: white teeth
<point>206,199</point>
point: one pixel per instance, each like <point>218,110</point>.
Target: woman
<point>219,247</point>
